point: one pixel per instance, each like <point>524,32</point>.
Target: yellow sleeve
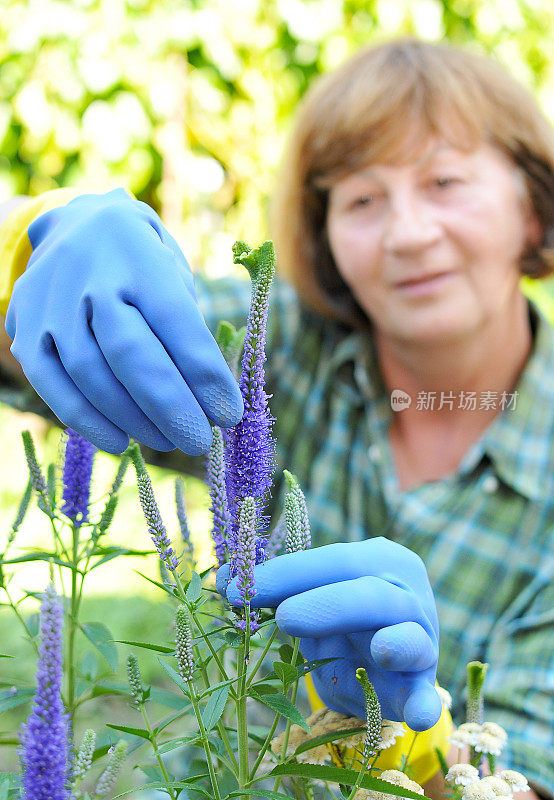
<point>423,759</point>
<point>15,247</point>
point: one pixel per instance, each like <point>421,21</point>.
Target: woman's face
<point>430,248</point>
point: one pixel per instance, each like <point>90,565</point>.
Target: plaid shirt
<point>485,532</point>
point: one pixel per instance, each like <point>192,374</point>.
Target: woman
<point>417,188</point>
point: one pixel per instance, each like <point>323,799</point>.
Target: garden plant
<point>223,660</point>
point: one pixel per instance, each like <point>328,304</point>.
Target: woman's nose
<point>410,226</point>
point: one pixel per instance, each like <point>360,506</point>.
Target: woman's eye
<point>444,180</point>
<point>364,200</point>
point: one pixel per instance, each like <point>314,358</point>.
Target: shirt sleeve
<point>519,686</point>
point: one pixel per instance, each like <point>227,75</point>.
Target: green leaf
<point>101,638</point>
<point>175,677</point>
<point>233,639</point>
<point>278,702</point>
<point>164,698</point>
<point>142,732</point>
<point>159,648</point>
<point>327,737</point>
<point>207,692</point>
<point>170,592</point>
<point>3,655</point>
<point>173,744</point>
<point>10,699</point>
<point>265,687</point>
<point>194,589</point>
<point>260,793</point>
<point>39,555</point>
<point>152,771</point>
<point>347,777</point>
<point>89,666</point>
<point>286,653</point>
<point>4,786</point>
<point>119,551</point>
<point>285,672</point>
<point>442,761</point>
<point>215,707</point>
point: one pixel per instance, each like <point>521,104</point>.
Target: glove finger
<point>49,378</point>
<point>423,707</point>
<point>366,603</point>
<point>140,362</point>
<point>174,317</point>
<point>89,371</point>
<point>294,573</point>
<point>404,647</point>
<point>222,578</point>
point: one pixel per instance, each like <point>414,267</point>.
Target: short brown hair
<point>360,114</point>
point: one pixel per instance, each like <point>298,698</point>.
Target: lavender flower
<point>275,542</point>
<point>44,751</point>
<point>294,540</point>
<point>77,472</point>
<point>303,529</point>
<point>154,521</point>
<point>135,681</point>
<point>183,641</point>
<point>120,474</point>
<point>35,473</point>
<point>182,517</point>
<point>110,775</point>
<point>83,760</point>
<point>244,559</point>
<point>250,451</point>
<point>215,478</point>
<point>21,511</point>
<point>374,719</point>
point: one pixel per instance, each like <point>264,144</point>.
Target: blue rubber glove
<point>368,604</point>
<point>106,326</point>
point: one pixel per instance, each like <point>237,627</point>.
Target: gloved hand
<point>370,605</point>
<point>106,326</point>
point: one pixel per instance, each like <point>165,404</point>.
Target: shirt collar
<point>519,440</point>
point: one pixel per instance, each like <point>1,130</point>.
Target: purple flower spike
<point>156,527</point>
<point>250,451</point>
<point>77,473</point>
<point>45,737</point>
<point>182,517</point>
<point>244,559</point>
<point>215,478</point>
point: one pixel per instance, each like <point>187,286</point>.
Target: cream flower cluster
<point>503,784</point>
<point>391,776</point>
<point>486,738</point>
<point>326,721</point>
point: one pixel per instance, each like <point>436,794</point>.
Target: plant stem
<point>361,774</point>
<point>204,738</point>
<point>261,658</point>
<point>264,746</point>
<point>20,618</point>
<point>159,759</point>
<point>296,648</point>
<point>242,726</point>
<point>72,625</point>
<point>220,727</point>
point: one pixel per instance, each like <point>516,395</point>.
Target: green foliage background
<point>187,102</point>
